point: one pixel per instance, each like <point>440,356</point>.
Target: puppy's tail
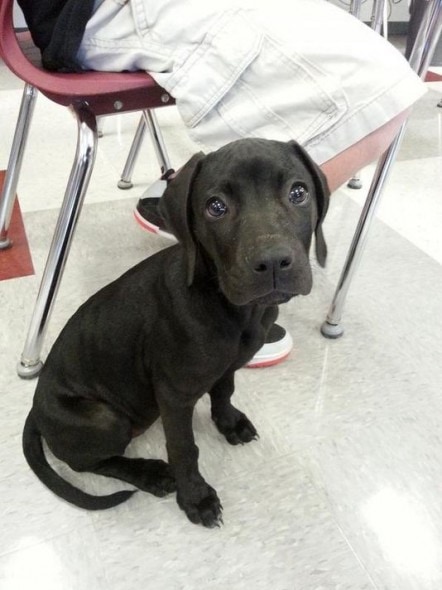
<point>34,454</point>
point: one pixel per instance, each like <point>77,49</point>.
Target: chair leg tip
<point>125,184</point>
<point>332,331</point>
<point>28,371</point>
<point>5,243</point>
<point>354,183</point>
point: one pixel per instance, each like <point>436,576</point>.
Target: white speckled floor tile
<point>278,533</point>
<point>69,560</point>
<point>383,485</point>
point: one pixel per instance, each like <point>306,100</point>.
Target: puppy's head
<point>250,209</point>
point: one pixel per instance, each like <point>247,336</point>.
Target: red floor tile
<point>433,77</point>
<point>16,261</point>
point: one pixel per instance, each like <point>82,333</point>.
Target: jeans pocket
<point>210,70</point>
<point>283,96</point>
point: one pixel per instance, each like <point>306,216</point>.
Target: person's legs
<point>304,70</point>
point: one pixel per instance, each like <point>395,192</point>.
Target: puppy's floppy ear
<point>322,198</point>
<point>174,207</point>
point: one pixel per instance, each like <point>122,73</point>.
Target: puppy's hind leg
<point>93,437</point>
<point>232,423</point>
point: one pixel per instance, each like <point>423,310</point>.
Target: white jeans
<point>302,69</point>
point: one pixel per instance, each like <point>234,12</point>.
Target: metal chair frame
<point>424,46</point>
<point>90,95</point>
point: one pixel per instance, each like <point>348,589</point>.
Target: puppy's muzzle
<point>269,275</point>
<point>279,273</point>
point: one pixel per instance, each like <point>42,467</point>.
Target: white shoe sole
<point>152,228</point>
<point>272,353</point>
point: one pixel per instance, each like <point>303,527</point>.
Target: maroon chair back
<point>105,92</point>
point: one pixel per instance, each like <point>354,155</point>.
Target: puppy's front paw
<point>202,506</point>
<point>236,427</point>
<point>153,476</point>
<point>159,479</point>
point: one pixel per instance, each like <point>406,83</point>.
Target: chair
<point>89,95</point>
<point>426,39</point>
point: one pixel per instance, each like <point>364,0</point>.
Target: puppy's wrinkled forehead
<point>259,161</point>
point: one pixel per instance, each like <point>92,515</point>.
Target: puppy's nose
<point>273,262</point>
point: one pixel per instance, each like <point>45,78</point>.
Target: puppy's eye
<point>299,193</point>
<point>216,207</point>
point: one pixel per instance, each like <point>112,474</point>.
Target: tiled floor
<point>343,488</point>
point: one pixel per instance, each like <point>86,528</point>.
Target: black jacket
<point>57,27</point>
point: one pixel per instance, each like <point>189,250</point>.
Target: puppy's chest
<point>233,350</point>
<point>198,349</point>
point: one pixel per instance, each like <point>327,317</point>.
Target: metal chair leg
<point>332,327</point>
<point>378,14</point>
<point>355,8</point>
<point>30,363</point>
<point>100,126</point>
<point>379,21</point>
<point>125,181</point>
<point>157,139</point>
<point>7,198</point>
<point>148,120</point>
<point>378,24</point>
<point>429,33</point>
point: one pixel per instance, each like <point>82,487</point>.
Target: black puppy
<point>179,324</point>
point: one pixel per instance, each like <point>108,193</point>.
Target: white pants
<point>303,69</point>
